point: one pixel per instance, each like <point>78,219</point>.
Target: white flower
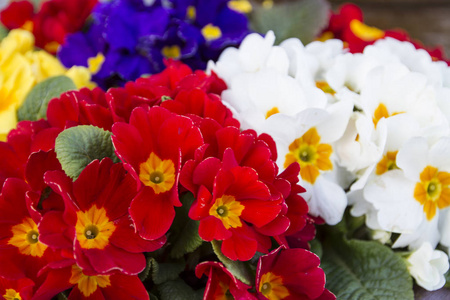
<point>307,139</point>
<point>414,199</point>
<point>255,54</point>
<point>428,266</point>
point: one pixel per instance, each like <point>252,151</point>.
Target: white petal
<point>392,195</point>
<point>412,158</point>
<point>328,201</point>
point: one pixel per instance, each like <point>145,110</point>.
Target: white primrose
<point>428,266</point>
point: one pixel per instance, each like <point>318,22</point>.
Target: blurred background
<point>425,20</point>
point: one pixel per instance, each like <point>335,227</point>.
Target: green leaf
<point>239,269</point>
<point>77,146</point>
<point>184,236</point>
<point>302,19</point>
<point>176,290</point>
<point>3,31</point>
<point>144,274</point>
<point>167,271</point>
<point>366,270</point>
<point>35,105</point>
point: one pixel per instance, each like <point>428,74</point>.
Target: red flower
<point>291,274</point>
<point>154,145</point>
<point>56,18</point>
<point>178,77</point>
<point>237,198</point>
<point>83,107</point>
<point>16,289</point>
<point>96,219</point>
<point>17,14</point>
<point>221,283</point>
<point>22,254</point>
<point>90,286</point>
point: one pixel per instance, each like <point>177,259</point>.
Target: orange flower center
<point>274,110</point>
<point>271,286</point>
<point>93,228</point>
<point>387,163</point>
<point>382,112</point>
<point>157,174</point>
<point>26,238</point>
<point>325,87</point>
<point>88,284</point>
<point>310,154</point>
<point>433,190</point>
<point>228,210</point>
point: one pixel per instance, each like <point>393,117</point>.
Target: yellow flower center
<point>191,13</point>
<point>94,228</point>
<point>274,110</point>
<point>311,155</point>
<point>327,35</point>
<point>433,190</point>
<point>223,292</point>
<point>211,32</point>
<point>51,47</point>
<point>382,112</point>
<point>171,52</point>
<point>26,238</point>
<point>242,6</point>
<point>364,32</point>
<point>157,174</point>
<point>387,163</point>
<point>28,26</point>
<point>12,295</point>
<point>325,87</point>
<point>271,286</point>
<point>88,284</point>
<point>95,63</point>
<point>228,210</point>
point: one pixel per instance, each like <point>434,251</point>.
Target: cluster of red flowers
<point>173,136</point>
<point>348,25</point>
<point>51,23</point>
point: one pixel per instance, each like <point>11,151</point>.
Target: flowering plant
<point>196,170</point>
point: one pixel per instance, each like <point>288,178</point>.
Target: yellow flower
<point>21,67</point>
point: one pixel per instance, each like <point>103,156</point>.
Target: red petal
<point>125,287</point>
<point>126,238</point>
<point>211,228</point>
<point>152,214</point>
<point>240,246</point>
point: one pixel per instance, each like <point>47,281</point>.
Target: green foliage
<point>368,270</point>
<point>178,290</point>
<point>239,269</point>
<point>184,236</point>
<point>77,146</point>
<point>35,105</point>
<point>302,19</point>
<point>167,271</point>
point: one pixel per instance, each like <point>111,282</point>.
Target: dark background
<point>425,20</point>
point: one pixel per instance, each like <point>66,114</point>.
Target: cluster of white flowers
<point>369,129</point>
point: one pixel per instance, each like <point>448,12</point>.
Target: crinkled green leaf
<point>144,274</point>
<point>184,236</point>
<point>366,270</point>
<point>167,271</point>
<point>302,19</point>
<point>77,146</point>
<point>177,290</point>
<point>239,269</point>
<point>35,105</point>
